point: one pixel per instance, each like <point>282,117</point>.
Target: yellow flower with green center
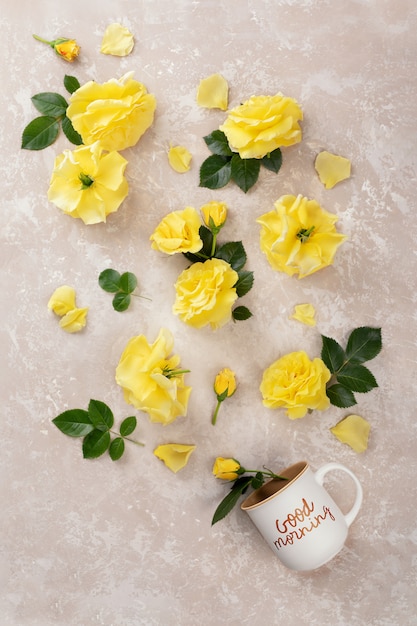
<point>152,379</point>
<point>88,183</point>
<point>299,236</point>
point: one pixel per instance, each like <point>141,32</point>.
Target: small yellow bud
<point>226,469</point>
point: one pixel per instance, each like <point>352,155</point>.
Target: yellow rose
<point>67,49</point>
<point>117,112</point>
<point>178,232</point>
<point>214,214</point>
<point>296,384</point>
<point>151,380</point>
<point>263,124</point>
<point>174,455</point>
<point>226,469</point>
<point>298,236</point>
<point>205,294</point>
<point>225,380</point>
<point>62,300</point>
<point>88,184</point>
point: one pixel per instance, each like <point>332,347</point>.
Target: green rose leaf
<point>364,344</point>
<point>70,132</point>
<point>227,504</point>
<point>244,172</point>
<point>218,144</point>
<point>109,280</point>
<point>128,282</point>
<point>244,283</point>
<point>128,426</point>
<point>332,354</point>
<point>340,396</point>
<point>356,378</point>
<point>241,313</point>
<point>117,447</point>
<point>40,133</point>
<point>273,161</point>
<point>233,253</point>
<point>121,301</point>
<point>100,414</point>
<point>75,423</point>
<point>215,172</point>
<point>50,104</point>
<point>95,444</point>
<point>71,83</point>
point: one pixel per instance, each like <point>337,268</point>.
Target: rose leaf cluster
<point>95,426</point>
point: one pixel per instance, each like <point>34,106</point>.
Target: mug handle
<point>319,477</point>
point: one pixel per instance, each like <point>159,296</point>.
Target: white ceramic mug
<point>298,518</point>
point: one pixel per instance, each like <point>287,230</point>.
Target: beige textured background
<point>124,544</point>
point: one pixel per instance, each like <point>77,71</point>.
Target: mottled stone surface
<point>130,543</point>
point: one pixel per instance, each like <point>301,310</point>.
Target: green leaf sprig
<point>349,375</point>
<point>43,130</point>
<point>239,487</point>
<point>225,165</point>
<point>122,285</point>
<point>233,253</point>
<point>95,426</point>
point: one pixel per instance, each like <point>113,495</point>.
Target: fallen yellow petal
<point>354,431</point>
<point>213,92</point>
<point>304,313</point>
<point>331,168</point>
<point>74,320</point>
<point>179,159</point>
<point>174,455</point>
<point>62,300</point>
<point>117,40</point>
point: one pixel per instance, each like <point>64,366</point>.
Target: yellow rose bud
<point>225,381</point>
<point>226,469</point>
<point>214,214</point>
<point>68,49</point>
<point>174,455</point>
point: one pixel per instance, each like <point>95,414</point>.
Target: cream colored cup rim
<point>274,487</point>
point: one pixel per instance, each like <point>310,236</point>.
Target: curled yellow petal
<point>117,41</point>
<point>354,431</point>
<point>213,92</point>
<point>62,300</point>
<point>174,455</point>
<point>74,320</point>
<point>179,159</point>
<point>304,313</point>
<point>331,168</point>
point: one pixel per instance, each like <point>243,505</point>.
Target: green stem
<point>268,473</point>
<point>42,40</point>
<point>213,245</point>
<point>137,295</point>
<point>214,418</point>
<point>138,443</point>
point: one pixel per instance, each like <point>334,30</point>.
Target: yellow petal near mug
<point>298,519</point>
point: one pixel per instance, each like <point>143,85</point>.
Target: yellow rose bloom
<point>331,168</point>
<point>205,294</point>
<point>296,383</point>
<point>117,41</point>
<point>179,159</point>
<point>174,455</point>
<point>298,236</point>
<point>214,214</point>
<point>88,184</point>
<point>226,469</point>
<point>74,320</point>
<point>62,300</point>
<point>213,92</point>
<point>178,232</point>
<point>354,431</point>
<point>263,124</point>
<point>117,113</point>
<point>151,379</point>
<point>225,379</point>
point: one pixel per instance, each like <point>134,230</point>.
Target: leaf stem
<point>138,443</point>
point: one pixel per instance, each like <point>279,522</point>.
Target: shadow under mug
<point>297,517</point>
